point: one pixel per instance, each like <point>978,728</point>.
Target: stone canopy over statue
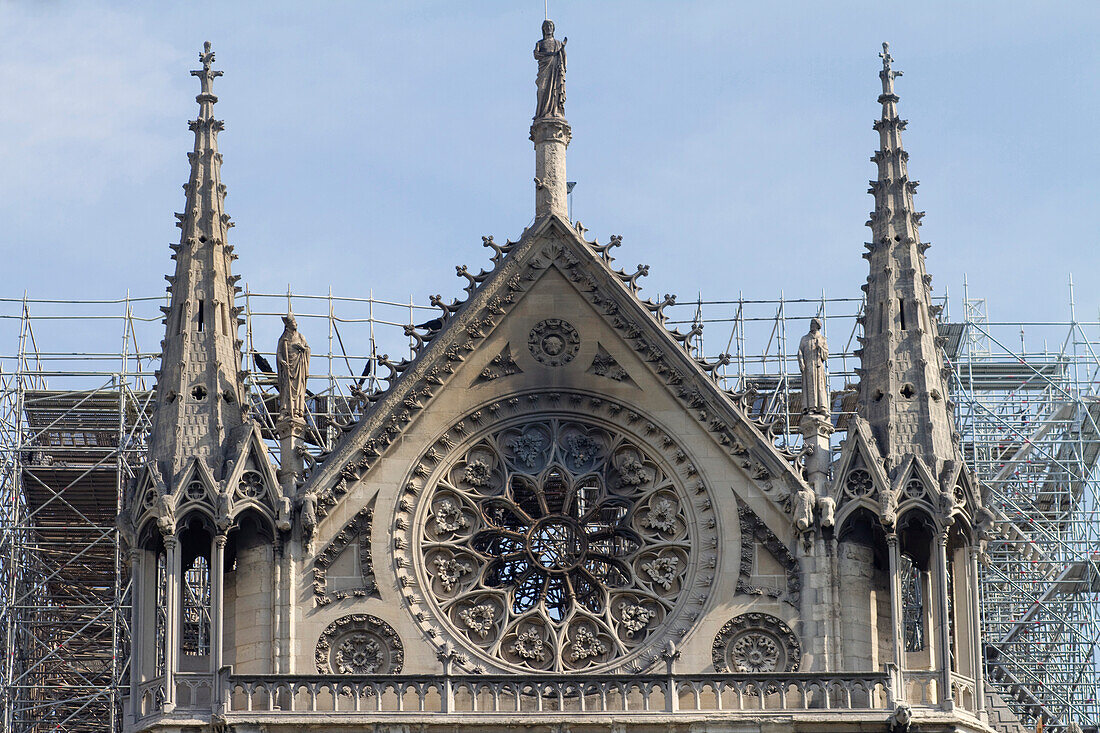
<point>813,352</point>
<point>550,53</point>
<point>292,363</point>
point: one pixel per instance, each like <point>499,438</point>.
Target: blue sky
<point>370,145</point>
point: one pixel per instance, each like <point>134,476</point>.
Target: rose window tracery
<point>557,542</point>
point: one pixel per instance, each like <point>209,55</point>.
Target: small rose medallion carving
<point>554,342</point>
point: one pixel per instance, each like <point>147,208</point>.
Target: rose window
<point>553,544</point>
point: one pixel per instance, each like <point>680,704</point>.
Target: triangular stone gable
<point>860,452</point>
<point>550,243</point>
<point>251,455</point>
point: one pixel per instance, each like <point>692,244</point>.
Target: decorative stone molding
<point>753,643</point>
<point>358,530</point>
<point>359,644</point>
<point>555,531</point>
<point>753,531</point>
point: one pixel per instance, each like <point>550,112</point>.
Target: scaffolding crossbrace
<point>74,419</point>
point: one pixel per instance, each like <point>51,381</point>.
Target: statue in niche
<point>292,363</point>
<point>813,352</point>
<point>550,53</point>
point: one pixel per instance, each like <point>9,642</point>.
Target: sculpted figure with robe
<point>550,53</point>
<point>813,352</point>
<point>292,363</point>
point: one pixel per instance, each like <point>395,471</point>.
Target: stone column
<point>171,619</point>
<point>943,621</point>
<point>291,433</point>
<point>137,632</point>
<point>551,136</point>
<point>897,623</point>
<point>217,602</point>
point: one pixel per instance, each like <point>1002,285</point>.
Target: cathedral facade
<point>553,517</point>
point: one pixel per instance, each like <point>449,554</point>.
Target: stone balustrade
<point>408,695</point>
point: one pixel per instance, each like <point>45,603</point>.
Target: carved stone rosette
<point>359,644</point>
<point>756,642</point>
<point>554,342</point>
<point>556,531</point>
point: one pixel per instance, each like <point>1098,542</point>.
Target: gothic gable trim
<point>357,530</point>
<point>261,492</point>
<point>754,531</point>
<point>860,453</point>
<point>550,242</point>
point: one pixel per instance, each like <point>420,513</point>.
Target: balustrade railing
<point>494,695</point>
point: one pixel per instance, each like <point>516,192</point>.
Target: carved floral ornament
<point>756,642</point>
<point>553,342</point>
<point>556,538</point>
<point>359,644</point>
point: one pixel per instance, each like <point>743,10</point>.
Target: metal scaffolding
<point>74,416</point>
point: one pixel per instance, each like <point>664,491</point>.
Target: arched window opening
<point>160,621</point>
<point>912,604</point>
<point>916,539</point>
<point>196,608</point>
<point>195,590</point>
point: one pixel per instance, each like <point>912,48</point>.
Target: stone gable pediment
<point>552,312</point>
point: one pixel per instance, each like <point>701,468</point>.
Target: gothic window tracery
<point>554,543</point>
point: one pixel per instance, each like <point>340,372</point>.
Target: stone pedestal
<point>291,431</point>
<point>816,430</point>
<point>551,136</point>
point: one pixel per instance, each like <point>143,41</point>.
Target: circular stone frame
<point>756,638</point>
<point>380,634</point>
<point>554,342</point>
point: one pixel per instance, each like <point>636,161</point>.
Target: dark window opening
<point>200,315</point>
<point>907,391</point>
<point>912,604</point>
<point>160,623</point>
<point>902,315</point>
<point>199,392</point>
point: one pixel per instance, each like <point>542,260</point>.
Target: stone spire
<point>199,386</point>
<point>550,132</point>
<point>902,392</point>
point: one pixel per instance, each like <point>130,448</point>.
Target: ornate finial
<point>887,59</point>
<point>207,74</point>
